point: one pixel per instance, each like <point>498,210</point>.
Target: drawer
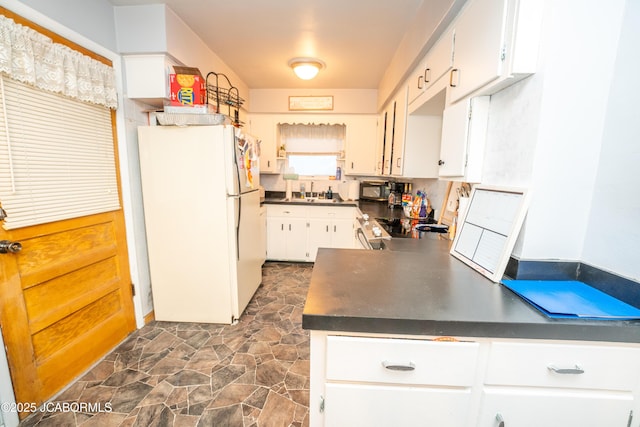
<point>426,362</point>
<point>287,211</point>
<point>577,366</point>
<point>330,212</point>
<point>352,405</point>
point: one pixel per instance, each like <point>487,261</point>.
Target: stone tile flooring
<point>254,373</point>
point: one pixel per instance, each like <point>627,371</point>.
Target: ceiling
<point>256,38</point>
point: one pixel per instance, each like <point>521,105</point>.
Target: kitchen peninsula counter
<point>418,288</point>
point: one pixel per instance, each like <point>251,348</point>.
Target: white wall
<point>345,101</point>
<point>613,234</point>
<point>560,133</point>
<point>93,19</point>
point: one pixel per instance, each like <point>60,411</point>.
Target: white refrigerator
<point>202,221</point>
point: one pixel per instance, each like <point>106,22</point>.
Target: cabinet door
<point>380,142</point>
<point>148,77</point>
<point>479,44</point>
<point>360,150</point>
<point>439,59</point>
<point>287,239</point>
<point>263,127</point>
<point>262,241</point>
<point>387,142</point>
<point>297,240</point>
<point>320,232</point>
<point>453,149</point>
<point>276,238</point>
<point>566,408</point>
<point>342,233</point>
<point>399,127</point>
<point>464,127</point>
<point>416,81</point>
<point>372,405</point>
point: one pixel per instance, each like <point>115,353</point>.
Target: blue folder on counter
<point>572,299</point>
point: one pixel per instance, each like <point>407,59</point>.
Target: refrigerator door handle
<point>236,166</point>
<point>238,228</point>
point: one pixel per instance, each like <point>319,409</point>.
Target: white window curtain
<point>33,58</point>
<point>57,158</point>
<point>312,138</point>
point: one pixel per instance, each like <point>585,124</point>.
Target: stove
<point>411,228</point>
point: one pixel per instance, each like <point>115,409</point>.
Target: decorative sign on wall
<point>302,103</point>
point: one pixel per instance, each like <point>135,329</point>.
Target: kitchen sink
<point>310,200</point>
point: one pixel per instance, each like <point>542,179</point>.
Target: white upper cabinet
<point>496,44</point>
<point>361,140</point>
<point>464,129</point>
<point>391,148</point>
<point>264,128</point>
<point>147,77</point>
<point>479,46</point>
<point>436,63</point>
<point>398,133</point>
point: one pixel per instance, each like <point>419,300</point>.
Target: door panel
<point>66,300</point>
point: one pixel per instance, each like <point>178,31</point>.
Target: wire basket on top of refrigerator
<point>221,96</point>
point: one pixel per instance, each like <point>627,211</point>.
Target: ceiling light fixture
<point>306,68</point>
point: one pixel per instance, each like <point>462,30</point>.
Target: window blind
<point>57,157</point>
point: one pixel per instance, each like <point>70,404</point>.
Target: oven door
<point>361,238</point>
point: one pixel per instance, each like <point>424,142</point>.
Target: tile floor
<point>254,373</point>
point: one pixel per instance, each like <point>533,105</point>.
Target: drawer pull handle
<point>577,370</point>
<point>410,366</point>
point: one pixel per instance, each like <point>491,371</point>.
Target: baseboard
<point>619,287</point>
<point>150,317</point>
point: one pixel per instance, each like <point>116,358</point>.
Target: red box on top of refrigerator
<point>187,87</point>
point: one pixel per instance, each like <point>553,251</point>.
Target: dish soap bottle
<point>329,193</point>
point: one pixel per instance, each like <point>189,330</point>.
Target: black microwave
<point>374,190</point>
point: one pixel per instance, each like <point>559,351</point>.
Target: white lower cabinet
<point>352,405</point>
<point>287,238</point>
<point>330,227</point>
<point>560,384</point>
<point>363,381</point>
<point>295,233</point>
<point>532,407</point>
<point>382,380</point>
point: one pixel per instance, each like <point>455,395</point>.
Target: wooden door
<point>66,297</point>
<point>65,300</point>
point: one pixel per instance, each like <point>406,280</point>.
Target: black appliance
<point>374,190</point>
<point>411,228</point>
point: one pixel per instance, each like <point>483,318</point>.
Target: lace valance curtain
<point>33,58</point>
<point>312,138</point>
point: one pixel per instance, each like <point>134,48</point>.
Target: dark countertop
<point>418,288</point>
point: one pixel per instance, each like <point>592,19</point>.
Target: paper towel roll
<point>288,194</point>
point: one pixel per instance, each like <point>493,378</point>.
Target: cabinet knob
<point>500,420</point>
<point>440,162</point>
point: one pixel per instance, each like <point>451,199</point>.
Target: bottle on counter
<point>329,193</point>
<point>406,195</point>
